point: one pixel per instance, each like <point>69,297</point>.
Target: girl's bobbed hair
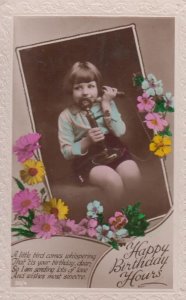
<point>81,72</point>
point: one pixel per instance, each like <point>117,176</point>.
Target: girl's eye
<point>91,86</point>
<point>77,88</point>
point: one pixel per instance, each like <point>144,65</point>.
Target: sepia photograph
<point>107,157</point>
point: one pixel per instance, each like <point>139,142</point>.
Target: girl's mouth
<point>85,102</point>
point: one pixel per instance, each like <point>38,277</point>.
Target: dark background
<point>115,55</point>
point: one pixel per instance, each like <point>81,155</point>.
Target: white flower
<point>94,208</point>
<point>152,86</point>
<point>169,100</point>
<point>121,233</point>
<point>104,234</point>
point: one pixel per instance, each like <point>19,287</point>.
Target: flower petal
<point>167,141</point>
<point>159,152</point>
<point>152,147</point>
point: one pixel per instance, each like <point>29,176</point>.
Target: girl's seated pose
<point>82,143</point>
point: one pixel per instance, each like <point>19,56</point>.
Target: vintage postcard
<point>93,162</point>
<point>93,155</point>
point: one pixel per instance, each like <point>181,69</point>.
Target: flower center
<point>160,145</point>
<point>26,203</point>
<point>168,103</point>
<point>32,171</point>
<point>152,84</point>
<point>145,100</point>
<point>119,222</point>
<point>95,209</point>
<point>154,122</point>
<point>54,211</point>
<point>104,232</point>
<point>46,227</point>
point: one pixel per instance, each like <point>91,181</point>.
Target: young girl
<point>83,144</point>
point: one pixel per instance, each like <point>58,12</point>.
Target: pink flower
<point>67,226</point>
<point>25,200</point>
<point>118,221</point>
<point>155,121</point>
<point>45,226</point>
<point>85,227</point>
<point>90,226</point>
<point>80,229</point>
<point>145,103</point>
<point>26,145</point>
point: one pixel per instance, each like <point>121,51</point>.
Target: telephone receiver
<point>107,154</point>
<point>118,94</point>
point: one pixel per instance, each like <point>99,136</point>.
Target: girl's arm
<point>68,146</point>
<point>112,117</point>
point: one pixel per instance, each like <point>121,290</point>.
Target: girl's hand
<point>95,135</point>
<point>109,93</point>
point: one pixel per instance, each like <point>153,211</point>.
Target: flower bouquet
<point>155,105</point>
<point>38,216</point>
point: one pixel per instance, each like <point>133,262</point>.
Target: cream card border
<point>141,8</point>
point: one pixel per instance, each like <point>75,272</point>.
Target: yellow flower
<point>56,207</point>
<point>160,145</point>
<point>33,172</point>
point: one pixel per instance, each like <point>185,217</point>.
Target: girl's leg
<point>109,181</point>
<point>130,174</point>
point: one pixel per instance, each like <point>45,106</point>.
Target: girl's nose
<point>85,91</point>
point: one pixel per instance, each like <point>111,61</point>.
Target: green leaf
<point>137,223</point>
<point>170,109</point>
<point>165,132</point>
<point>138,228</point>
<point>23,232</point>
<point>100,219</point>
<point>31,217</point>
<point>19,184</point>
<point>31,214</point>
<point>28,219</point>
<point>160,107</point>
<point>23,218</point>
<point>137,80</point>
<point>42,191</point>
<point>114,244</point>
<point>141,216</point>
<point>137,206</point>
<point>44,198</point>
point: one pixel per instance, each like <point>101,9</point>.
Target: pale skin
<point>127,174</point>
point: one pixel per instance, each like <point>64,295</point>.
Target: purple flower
<point>89,226</point>
<point>85,227</point>
<point>79,230</point>
<point>25,200</point>
<point>67,226</point>
<point>26,145</point>
<point>45,226</point>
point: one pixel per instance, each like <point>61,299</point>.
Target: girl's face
<point>85,90</point>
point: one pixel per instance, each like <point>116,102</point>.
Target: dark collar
<point>74,108</point>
